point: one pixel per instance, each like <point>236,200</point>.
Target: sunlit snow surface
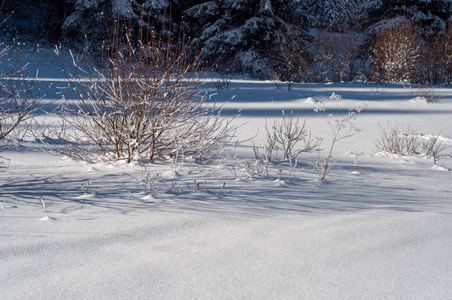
<point>379,226</point>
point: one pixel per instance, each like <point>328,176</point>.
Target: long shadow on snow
<point>73,191</point>
<point>199,188</point>
<point>310,112</point>
<point>382,188</point>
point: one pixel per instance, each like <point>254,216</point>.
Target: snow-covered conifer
<point>334,15</point>
<point>245,33</point>
<point>431,17</point>
<point>91,18</point>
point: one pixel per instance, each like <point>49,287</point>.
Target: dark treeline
<point>295,40</point>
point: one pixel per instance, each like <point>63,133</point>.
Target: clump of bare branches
<point>142,100</point>
<point>341,128</point>
<point>396,54</point>
<point>287,136</point>
<point>335,56</point>
<point>18,100</point>
<point>399,141</point>
<point>290,64</point>
<point>425,93</point>
<point>406,141</point>
<point>222,80</point>
<point>437,58</point>
<point>433,146</point>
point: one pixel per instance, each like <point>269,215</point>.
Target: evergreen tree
<point>91,19</point>
<point>246,34</point>
<point>431,16</point>
<point>39,20</point>
<point>334,15</point>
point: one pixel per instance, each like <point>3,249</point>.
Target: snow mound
<point>311,100</point>
<point>438,137</point>
<point>418,99</point>
<point>443,169</point>
<point>47,219</point>
<point>86,196</point>
<point>335,96</point>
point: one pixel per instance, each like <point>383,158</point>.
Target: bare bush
<point>445,50</point>
<point>437,58</point>
<point>289,65</point>
<point>407,142</point>
<point>433,146</point>
<point>397,141</point>
<point>18,101</point>
<point>286,136</point>
<point>271,145</point>
<point>337,126</point>
<point>396,54</point>
<point>142,101</point>
<point>334,56</point>
<point>425,93</point>
<point>222,81</point>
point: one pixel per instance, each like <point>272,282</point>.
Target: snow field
<point>378,228</point>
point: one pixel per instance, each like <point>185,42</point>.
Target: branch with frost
<point>341,128</point>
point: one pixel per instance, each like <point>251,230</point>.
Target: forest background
<point>293,41</point>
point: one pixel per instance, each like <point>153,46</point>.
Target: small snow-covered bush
<point>406,141</point>
<point>428,94</point>
<point>141,101</point>
<point>399,141</point>
<point>222,81</point>
<point>286,136</point>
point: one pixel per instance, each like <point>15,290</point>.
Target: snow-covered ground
<point>378,227</point>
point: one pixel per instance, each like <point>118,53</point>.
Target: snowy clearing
<point>379,226</point>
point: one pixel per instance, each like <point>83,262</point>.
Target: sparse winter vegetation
<point>433,146</point>
<point>406,141</point>
<point>395,140</point>
<point>18,101</point>
<point>396,54</point>
<point>286,136</point>
<point>181,179</point>
<point>18,97</point>
<point>335,56</point>
<point>142,102</point>
<point>342,127</point>
<point>428,94</point>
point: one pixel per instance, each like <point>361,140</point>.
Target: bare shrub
<point>433,146</point>
<point>142,101</point>
<point>18,100</point>
<point>271,145</point>
<point>396,54</point>
<point>223,81</point>
<point>337,125</point>
<point>425,93</point>
<point>7,16</point>
<point>445,50</point>
<point>397,141</point>
<point>334,56</point>
<point>286,136</point>
<point>437,58</point>
<point>290,65</point>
